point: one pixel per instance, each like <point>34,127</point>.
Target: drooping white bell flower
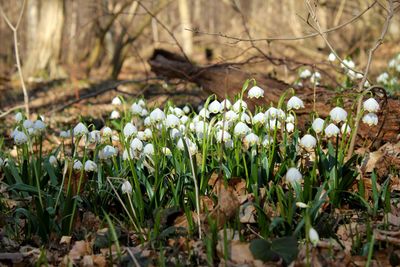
<point>226,104</point>
<point>231,115</point>
<point>338,114</point>
<point>178,112</point>
<point>140,135</point>
<point>273,124</point>
<point>126,188</point>
<point>371,105</point>
<point>245,118</point>
<point>39,126</point>
<point>370,119</point>
<point>331,130</point>
<point>308,142</point>
<point>166,151</point>
<point>295,103</point>
<point>148,149</point>
<point>144,113</point>
<point>77,165</point>
<point>136,145</point>
<point>383,78</point>
<point>318,125</point>
<point>107,132</point>
<point>214,107</point>
<point>290,118</point>
<point>271,113</point>
<point>94,137</point>
<point>53,161</point>
<point>142,103</point>
<point>157,115</point>
<point>18,117</point>
<point>222,136</point>
<point>256,92</point>
<point>315,77</point>
<point>267,140</point>
<point>184,119</point>
<point>129,130</point>
<point>115,115</point>
<point>107,152</point>
<point>204,113</point>
<point>90,166</point>
<point>293,176</point>
<point>241,129</point>
<point>313,236</point>
<point>172,121</point>
<point>65,134</point>
<point>80,129</point>
<point>147,121</point>
<point>304,74</point>
<point>192,147</point>
<point>348,63</point>
<point>175,133</point>
<point>301,205</point>
<point>239,105</point>
<point>331,57</point>
<point>345,129</point>
<point>259,118</point>
<point>136,109</point>
<point>20,138</point>
<point>251,139</point>
<point>116,101</point>
<point>186,109</point>
<point>289,127</point>
<point>148,134</point>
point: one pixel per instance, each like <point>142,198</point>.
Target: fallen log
<point>226,80</point>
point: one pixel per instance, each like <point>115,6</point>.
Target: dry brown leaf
<point>238,252</point>
<point>80,249</point>
<point>393,219</point>
<point>247,213</point>
<point>65,240</point>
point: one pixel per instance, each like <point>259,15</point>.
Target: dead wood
<point>226,80</point>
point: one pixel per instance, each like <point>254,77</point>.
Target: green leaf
<point>261,250</point>
<point>286,248</point>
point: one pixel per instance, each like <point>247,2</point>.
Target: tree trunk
<point>226,80</point>
<point>32,18</point>
<point>44,57</point>
<point>187,36</point>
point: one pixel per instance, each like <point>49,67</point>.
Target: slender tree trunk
<point>45,54</point>
<point>187,36</point>
<point>32,19</point>
<point>73,32</point>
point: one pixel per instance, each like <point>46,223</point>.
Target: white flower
<point>126,188</point>
<point>129,130</point>
<point>241,129</point>
<point>370,119</point>
<point>178,112</point>
<point>142,103</point>
<point>348,63</point>
<point>273,124</point>
<point>295,103</point>
<point>115,115</point>
<point>18,117</point>
<point>148,134</point>
<point>331,57</point>
<point>144,113</point>
<point>226,104</point>
<point>308,142</point>
<point>293,176</point>
<point>172,121</point>
<point>80,129</point>
<point>301,205</point>
<point>140,135</point>
<point>331,130</point>
<point>239,105</point>
<point>53,161</point>
<point>94,136</point>
<point>256,92</point>
<point>157,115</point>
<point>20,138</point>
<point>107,152</point>
<point>289,127</point>
<point>222,136</point>
<point>65,134</point>
<point>175,133</point>
<point>318,125</point>
<point>39,126</point>
<point>27,124</point>
<point>192,147</point>
<point>383,78</point>
<point>136,109</point>
<point>90,166</point>
<point>371,105</point>
<point>338,114</point>
<point>148,149</point>
<point>304,74</point>
<point>136,145</point>
<point>315,77</point>
<point>345,129</point>
<point>231,115</point>
<point>271,113</point>
<point>184,119</point>
<point>116,101</point>
<point>289,118</point>
<point>186,109</point>
<point>147,121</point>
<point>107,131</point>
<point>251,139</point>
<point>245,118</point>
<point>313,235</point>
<point>259,118</point>
<point>214,107</point>
<point>204,113</point>
<point>77,165</point>
<point>166,151</point>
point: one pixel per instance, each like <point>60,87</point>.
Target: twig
<point>378,42</point>
<point>16,50</point>
<point>287,38</point>
<point>5,113</point>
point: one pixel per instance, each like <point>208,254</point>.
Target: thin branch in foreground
<point>14,29</point>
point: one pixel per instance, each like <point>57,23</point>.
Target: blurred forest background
<point>98,40</point>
